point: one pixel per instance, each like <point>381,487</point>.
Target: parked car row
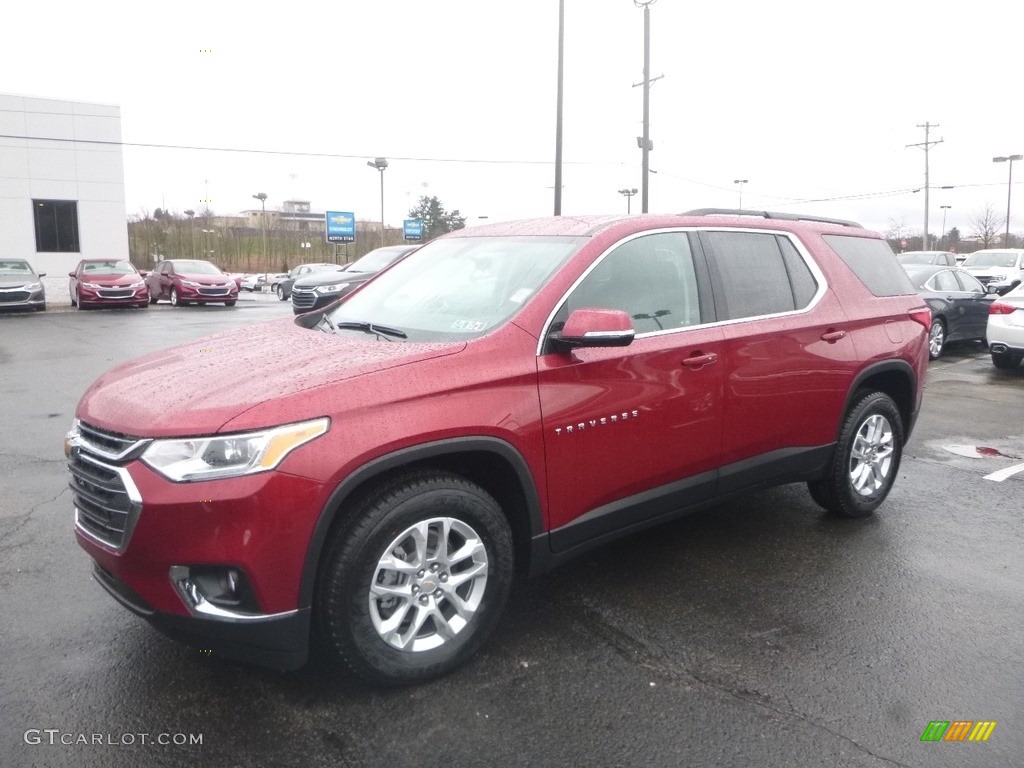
<point>324,286</point>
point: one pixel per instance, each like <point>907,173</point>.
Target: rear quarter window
<point>873,262</point>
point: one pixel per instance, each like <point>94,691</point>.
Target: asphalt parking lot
<point>756,633</point>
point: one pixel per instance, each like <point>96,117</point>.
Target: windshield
<point>990,259</point>
<point>196,268</point>
<point>376,260</point>
<point>459,288</point>
<point>15,268</point>
<point>109,267</point>
<point>916,257</point>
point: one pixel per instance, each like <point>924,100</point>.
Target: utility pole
<point>558,111</point>
<point>925,145</point>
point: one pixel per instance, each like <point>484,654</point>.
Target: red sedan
<point>191,281</point>
<point>107,283</point>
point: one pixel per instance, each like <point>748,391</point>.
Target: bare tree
<point>985,225</point>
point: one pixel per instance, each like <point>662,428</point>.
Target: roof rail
<point>770,215</point>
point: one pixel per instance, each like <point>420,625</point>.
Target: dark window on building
<point>756,277</point>
<point>873,262</point>
<point>56,226</point>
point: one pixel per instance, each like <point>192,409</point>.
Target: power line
<point>150,145</point>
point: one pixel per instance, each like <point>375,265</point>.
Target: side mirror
<point>143,273</point>
<point>41,274</point>
<point>596,328</point>
<point>991,288</point>
<point>71,274</point>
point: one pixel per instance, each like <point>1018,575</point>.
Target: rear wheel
<point>416,579</point>
<point>866,460</point>
<point>936,339</point>
<point>1005,362</point>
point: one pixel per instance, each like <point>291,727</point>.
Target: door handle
<point>833,336</point>
<point>699,361</point>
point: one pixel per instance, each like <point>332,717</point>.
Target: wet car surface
<point>756,632</point>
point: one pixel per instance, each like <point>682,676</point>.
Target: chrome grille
<point>214,291</point>
<point>106,501</point>
<point>12,296</point>
<point>303,299</point>
<point>116,294</point>
<point>109,445</point>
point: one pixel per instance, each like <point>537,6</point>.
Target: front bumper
<point>280,641</point>
<point>205,294</point>
<point>114,297</point>
<point>20,298</point>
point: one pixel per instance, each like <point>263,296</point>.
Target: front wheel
<point>280,293</point>
<point>416,579</point>
<point>936,339</point>
<point>229,303</point>
<point>176,300</point>
<point>867,458</point>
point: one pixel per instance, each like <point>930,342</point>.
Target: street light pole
<point>192,225</point>
<point>645,145</point>
<point>741,182</point>
<point>1009,189</point>
<point>262,197</point>
<point>380,164</point>
<point>558,111</point>
<point>942,234</point>
<point>629,198</point>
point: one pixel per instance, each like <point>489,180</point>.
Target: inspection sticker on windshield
<point>468,325</point>
<point>520,296</point>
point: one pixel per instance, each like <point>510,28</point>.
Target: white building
<point>61,182</point>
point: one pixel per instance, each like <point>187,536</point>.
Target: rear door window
<point>759,273</point>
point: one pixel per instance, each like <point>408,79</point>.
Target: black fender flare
<point>400,458</point>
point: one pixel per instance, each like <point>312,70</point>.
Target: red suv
<point>503,399</point>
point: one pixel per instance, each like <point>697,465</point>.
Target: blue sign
<point>341,226</point>
<point>413,229</point>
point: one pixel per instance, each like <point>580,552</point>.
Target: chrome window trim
<point>801,250</point>
<point>134,497</point>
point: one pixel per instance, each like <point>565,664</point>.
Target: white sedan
<point>1005,331</point>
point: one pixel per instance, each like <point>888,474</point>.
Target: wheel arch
<point>493,464</point>
<point>897,379</point>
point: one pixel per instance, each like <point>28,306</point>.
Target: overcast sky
<point>806,100</point>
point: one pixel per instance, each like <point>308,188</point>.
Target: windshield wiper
<point>380,331</point>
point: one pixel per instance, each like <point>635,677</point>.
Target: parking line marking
<point>1002,474</point>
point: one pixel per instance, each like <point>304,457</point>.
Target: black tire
<point>1005,362</point>
<point>229,303</point>
<point>152,298</point>
<point>280,293</point>
<point>936,339</point>
<point>41,307</point>
<point>838,491</point>
<point>175,301</point>
<point>378,525</point>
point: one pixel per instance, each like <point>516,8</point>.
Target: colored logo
<point>958,730</point>
<point>341,226</point>
<point>413,229</point>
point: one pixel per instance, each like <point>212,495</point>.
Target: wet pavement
<point>756,633</point>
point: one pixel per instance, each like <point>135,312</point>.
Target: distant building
<point>61,182</point>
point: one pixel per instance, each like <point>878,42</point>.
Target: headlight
<point>136,285</point>
<point>191,284</point>
<point>33,286</point>
<point>92,286</point>
<point>208,458</point>
<point>998,278</point>
<point>331,288</point>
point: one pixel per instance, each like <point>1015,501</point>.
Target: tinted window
<point>873,262</point>
<point>969,283</point>
<point>755,275</point>
<point>945,281</point>
<point>651,278</point>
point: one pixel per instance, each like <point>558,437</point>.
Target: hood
<point>8,281</point>
<point>196,388</point>
<point>205,279</point>
<point>110,279</point>
<point>329,278</point>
